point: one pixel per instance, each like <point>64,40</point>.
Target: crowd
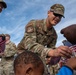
<point>36,53</point>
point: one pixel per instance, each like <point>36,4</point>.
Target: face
<point>7,38</point>
<point>53,18</point>
<point>1,7</point>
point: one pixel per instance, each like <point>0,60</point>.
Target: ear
<point>48,12</point>
<point>29,69</point>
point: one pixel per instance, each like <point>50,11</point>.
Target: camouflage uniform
<point>38,38</point>
<point>7,59</point>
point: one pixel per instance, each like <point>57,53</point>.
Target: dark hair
<point>27,57</point>
<point>3,37</point>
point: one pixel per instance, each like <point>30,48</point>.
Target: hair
<point>7,35</point>
<point>2,36</point>
<point>27,57</point>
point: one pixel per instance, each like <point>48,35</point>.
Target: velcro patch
<point>29,29</point>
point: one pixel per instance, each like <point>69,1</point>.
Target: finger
<point>65,54</point>
<point>66,49</point>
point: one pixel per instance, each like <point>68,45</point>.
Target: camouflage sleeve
<point>30,41</point>
<point>11,50</point>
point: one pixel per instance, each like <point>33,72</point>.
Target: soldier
<point>8,57</point>
<point>40,36</point>
<point>2,5</point>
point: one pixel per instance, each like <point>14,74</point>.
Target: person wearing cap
<point>41,37</point>
<point>2,5</point>
<point>8,56</point>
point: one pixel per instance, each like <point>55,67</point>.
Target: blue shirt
<point>65,70</point>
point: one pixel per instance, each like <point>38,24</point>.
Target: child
<point>28,63</point>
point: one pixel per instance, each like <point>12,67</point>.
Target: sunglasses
<point>57,15</point>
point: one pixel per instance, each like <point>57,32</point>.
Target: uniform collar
<point>45,26</point>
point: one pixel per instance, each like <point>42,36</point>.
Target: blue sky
<point>19,12</point>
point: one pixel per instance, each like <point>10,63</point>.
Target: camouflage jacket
<point>10,49</point>
<point>38,38</point>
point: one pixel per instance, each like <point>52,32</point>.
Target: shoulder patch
<point>29,29</point>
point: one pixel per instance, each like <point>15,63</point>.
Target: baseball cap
<point>58,9</point>
<point>4,4</point>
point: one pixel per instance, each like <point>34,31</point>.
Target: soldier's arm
<point>30,42</point>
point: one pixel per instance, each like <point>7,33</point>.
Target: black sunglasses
<point>57,15</point>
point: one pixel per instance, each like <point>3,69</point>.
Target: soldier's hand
<point>61,51</point>
<point>71,63</point>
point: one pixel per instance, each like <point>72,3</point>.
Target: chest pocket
<point>45,38</point>
<point>51,36</point>
<point>41,38</point>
